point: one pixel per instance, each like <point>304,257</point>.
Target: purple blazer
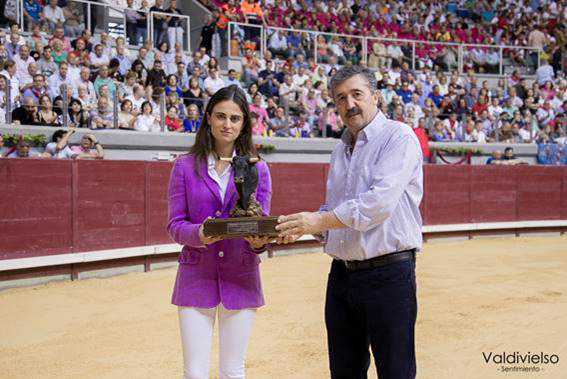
<point>226,271</point>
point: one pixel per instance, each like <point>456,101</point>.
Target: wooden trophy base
<point>238,227</point>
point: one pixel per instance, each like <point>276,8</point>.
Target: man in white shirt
<point>478,134</point>
<point>414,106</point>
<point>137,98</point>
<point>98,58</point>
<point>205,58</point>
<point>10,73</point>
<point>26,81</point>
<point>213,83</point>
<point>278,43</point>
<point>545,114</point>
<point>516,100</point>
<point>106,43</point>
<point>288,91</point>
<point>301,77</point>
<point>84,75</point>
<point>73,70</point>
<point>182,77</point>
<point>22,60</point>
<point>494,109</point>
<point>544,73</point>
<point>53,15</point>
<point>394,53</point>
<point>56,80</point>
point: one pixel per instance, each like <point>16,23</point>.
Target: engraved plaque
<point>238,227</point>
<point>242,227</point>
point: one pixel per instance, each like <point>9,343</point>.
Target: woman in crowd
<point>172,122</point>
<point>46,115</point>
<point>193,121</point>
<point>213,64</point>
<point>125,116</point>
<point>215,276</point>
<point>145,121</point>
<point>172,86</point>
<point>59,55</point>
<point>163,54</point>
<point>194,95</point>
<point>78,118</point>
<point>140,71</point>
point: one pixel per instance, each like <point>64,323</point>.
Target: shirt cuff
<point>343,213</point>
<point>321,237</point>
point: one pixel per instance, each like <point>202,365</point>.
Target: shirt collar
<point>368,132</point>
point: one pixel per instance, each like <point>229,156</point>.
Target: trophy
<point>246,217</point>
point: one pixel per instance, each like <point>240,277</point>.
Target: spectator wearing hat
<point>88,148</point>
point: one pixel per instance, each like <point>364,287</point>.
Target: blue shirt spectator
<point>404,93</point>
<point>191,126</point>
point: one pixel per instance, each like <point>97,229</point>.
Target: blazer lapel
<point>213,187</point>
<point>230,192</point>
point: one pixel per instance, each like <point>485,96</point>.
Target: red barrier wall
<point>55,206</point>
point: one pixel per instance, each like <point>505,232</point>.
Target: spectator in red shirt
<point>480,106</point>
<point>172,122</point>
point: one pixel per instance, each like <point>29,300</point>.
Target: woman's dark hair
<point>137,62</point>
<point>204,141</point>
<point>59,133</point>
<point>41,98</point>
<point>144,104</point>
<point>123,104</point>
<point>75,101</point>
<point>250,87</point>
<point>166,44</point>
<point>169,77</point>
<point>114,63</point>
<point>172,106</point>
<point>193,80</point>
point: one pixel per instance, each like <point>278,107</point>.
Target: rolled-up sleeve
<point>179,228</point>
<point>389,179</point>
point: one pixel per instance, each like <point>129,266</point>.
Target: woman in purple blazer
<point>214,275</point>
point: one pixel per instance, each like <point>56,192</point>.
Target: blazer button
<point>221,254</point>
<point>218,213</point>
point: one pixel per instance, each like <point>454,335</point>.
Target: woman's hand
<point>207,240</point>
<point>257,242</point>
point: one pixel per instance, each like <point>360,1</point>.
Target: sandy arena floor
<point>489,295</point>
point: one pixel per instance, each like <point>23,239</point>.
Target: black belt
<point>381,260</point>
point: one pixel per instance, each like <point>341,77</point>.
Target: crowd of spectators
<point>70,77</point>
<point>537,24</point>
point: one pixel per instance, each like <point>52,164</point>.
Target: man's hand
<point>287,239</point>
<point>295,225</point>
<point>300,223</point>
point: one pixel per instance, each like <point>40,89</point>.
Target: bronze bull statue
<point>245,181</point>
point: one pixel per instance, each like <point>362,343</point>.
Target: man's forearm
<point>328,220</point>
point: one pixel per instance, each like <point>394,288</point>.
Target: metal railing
<point>498,60</point>
<point>186,42</point>
<point>109,13</point>
<point>113,113</point>
<point>246,35</point>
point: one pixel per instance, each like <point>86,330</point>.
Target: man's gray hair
<point>348,72</point>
